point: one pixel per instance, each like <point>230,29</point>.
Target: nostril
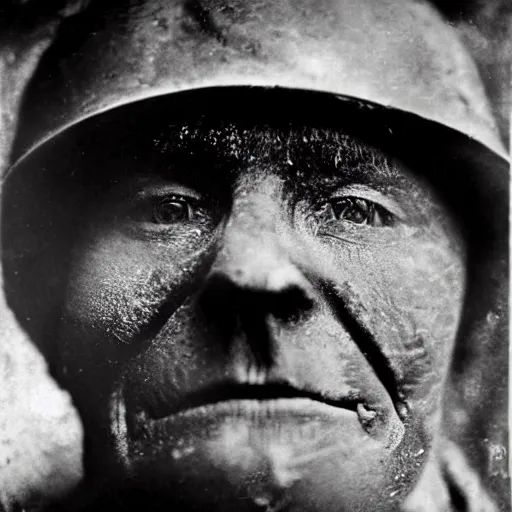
<point>227,302</point>
<point>235,312</point>
<point>291,304</point>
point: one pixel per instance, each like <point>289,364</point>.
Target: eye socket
<point>358,211</point>
<point>171,210</point>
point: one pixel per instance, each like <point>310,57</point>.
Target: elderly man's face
<point>262,317</point>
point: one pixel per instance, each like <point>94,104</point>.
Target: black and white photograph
<point>254,255</point>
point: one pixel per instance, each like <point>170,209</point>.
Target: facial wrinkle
<point>138,306</point>
<point>410,346</point>
<point>407,350</point>
<point>163,296</point>
<point>405,346</point>
<point>351,314</point>
<point>407,371</point>
<point>424,331</point>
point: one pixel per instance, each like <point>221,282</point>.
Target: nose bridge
<point>256,249</point>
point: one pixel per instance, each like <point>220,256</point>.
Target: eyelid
<point>166,190</point>
<point>370,194</point>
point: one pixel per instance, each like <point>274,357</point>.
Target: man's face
<point>262,317</point>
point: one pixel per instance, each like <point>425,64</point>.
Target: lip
<point>271,413</point>
<point>249,399</point>
<point>272,409</point>
<point>257,427</point>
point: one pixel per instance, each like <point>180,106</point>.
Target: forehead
<point>217,148</point>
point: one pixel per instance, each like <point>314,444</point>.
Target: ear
<point>40,431</point>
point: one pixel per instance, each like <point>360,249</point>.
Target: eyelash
<point>358,211</point>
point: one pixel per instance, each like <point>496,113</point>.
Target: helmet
<point>393,67</point>
<point>395,53</point>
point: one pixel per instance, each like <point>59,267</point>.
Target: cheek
<point>411,297</point>
<point>116,288</point>
<point>425,284</point>
<point>425,281</point>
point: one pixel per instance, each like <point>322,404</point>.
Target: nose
<point>256,273</point>
<point>257,277</point>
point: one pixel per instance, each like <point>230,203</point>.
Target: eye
<point>171,210</point>
<point>358,211</point>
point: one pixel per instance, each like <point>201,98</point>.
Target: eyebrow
<point>327,150</point>
<point>331,151</point>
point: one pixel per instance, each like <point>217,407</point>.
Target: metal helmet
<point>395,53</point>
<point>387,66</point>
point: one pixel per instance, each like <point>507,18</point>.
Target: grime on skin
<point>261,317</point>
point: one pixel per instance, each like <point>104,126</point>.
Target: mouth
<point>261,422</point>
<point>263,397</point>
<point>268,414</point>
